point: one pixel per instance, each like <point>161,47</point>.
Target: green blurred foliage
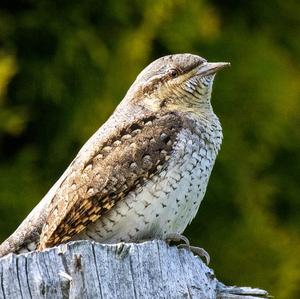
<point>65,65</point>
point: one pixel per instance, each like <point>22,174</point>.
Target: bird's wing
<point>131,155</point>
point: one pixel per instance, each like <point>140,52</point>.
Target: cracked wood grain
<point>84,269</point>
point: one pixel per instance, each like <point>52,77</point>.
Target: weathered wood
<point>84,269</point>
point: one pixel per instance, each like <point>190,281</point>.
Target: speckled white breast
<point>165,204</point>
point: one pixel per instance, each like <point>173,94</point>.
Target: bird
<point>144,173</point>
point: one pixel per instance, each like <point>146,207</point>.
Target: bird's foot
<point>196,250</point>
<point>176,238</point>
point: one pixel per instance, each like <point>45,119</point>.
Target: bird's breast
<point>169,200</point>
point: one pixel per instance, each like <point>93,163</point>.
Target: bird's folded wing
<point>132,154</point>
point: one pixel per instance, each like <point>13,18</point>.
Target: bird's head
<point>176,82</point>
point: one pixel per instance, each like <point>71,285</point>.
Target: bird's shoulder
<point>125,158</point>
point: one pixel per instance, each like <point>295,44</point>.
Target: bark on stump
<point>85,269</point>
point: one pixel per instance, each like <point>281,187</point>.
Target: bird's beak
<point>209,68</point>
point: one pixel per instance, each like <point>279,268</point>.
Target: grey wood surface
<point>85,269</point>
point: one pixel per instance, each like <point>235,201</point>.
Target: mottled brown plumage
<point>123,162</point>
<point>144,173</point>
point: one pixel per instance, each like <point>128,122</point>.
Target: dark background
<point>65,65</point>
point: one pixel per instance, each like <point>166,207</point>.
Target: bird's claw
<point>177,238</point>
<point>197,251</point>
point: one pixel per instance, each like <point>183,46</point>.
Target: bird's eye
<point>173,73</point>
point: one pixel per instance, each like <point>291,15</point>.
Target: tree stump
<point>85,269</point>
